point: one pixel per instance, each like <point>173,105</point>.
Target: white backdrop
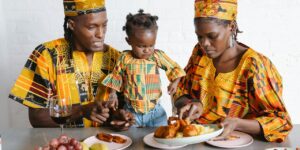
<point>270,27</point>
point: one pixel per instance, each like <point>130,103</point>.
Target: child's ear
<point>128,41</point>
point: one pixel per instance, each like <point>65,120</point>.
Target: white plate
<point>148,139</point>
<point>244,140</point>
<point>280,148</point>
<point>191,140</point>
<point>112,145</point>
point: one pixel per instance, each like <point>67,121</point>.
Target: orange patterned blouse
<point>253,90</point>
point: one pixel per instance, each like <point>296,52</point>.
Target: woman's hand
<point>99,113</point>
<point>191,111</point>
<point>122,120</point>
<point>173,86</point>
<point>250,126</point>
<point>229,124</point>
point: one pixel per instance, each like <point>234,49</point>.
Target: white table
<point>28,138</point>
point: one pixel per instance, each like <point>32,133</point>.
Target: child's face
<point>142,42</point>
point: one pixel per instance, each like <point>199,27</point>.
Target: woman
<point>228,81</point>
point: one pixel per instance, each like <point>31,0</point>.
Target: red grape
<point>73,142</point>
<point>70,147</point>
<point>78,146</point>
<point>54,143</point>
<point>62,143</point>
<point>63,139</point>
<point>62,147</point>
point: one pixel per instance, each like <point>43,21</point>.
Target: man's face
<point>89,31</point>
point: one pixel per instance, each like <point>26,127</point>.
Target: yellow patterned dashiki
<point>48,71</point>
<point>139,79</point>
<point>252,91</point>
<point>81,7</point>
<point>221,9</point>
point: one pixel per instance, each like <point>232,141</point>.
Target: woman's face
<point>213,37</point>
<point>89,31</point>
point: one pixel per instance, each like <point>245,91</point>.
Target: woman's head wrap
<point>220,9</point>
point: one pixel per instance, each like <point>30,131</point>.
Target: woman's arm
<point>265,101</point>
<point>249,126</point>
<point>245,125</point>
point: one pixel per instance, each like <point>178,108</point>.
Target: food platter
<point>111,145</point>
<point>217,130</point>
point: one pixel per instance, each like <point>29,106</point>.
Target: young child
<point>136,72</point>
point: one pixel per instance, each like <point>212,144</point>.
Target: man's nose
<point>100,32</point>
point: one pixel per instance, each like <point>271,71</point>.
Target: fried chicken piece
<point>190,130</point>
<point>179,124</point>
<point>170,132</point>
<point>175,124</point>
<point>183,124</point>
<point>172,119</point>
<point>104,137</point>
<point>118,139</point>
<point>159,132</point>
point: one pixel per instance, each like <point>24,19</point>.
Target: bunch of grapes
<point>62,143</point>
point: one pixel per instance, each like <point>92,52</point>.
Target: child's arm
<point>114,82</point>
<point>173,86</point>
<point>173,71</point>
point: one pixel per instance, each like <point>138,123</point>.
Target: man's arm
<point>40,117</point>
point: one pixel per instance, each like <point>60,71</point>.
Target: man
<point>71,68</point>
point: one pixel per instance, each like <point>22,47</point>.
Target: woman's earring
<point>231,41</point>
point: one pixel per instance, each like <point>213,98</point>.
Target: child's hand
<point>172,88</point>
<point>113,101</point>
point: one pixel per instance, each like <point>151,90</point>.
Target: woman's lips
<point>209,51</point>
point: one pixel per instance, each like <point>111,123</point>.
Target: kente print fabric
<point>81,7</point>
<point>139,79</point>
<point>49,71</point>
<point>220,9</point>
<point>252,91</point>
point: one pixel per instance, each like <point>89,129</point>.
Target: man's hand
<point>122,120</point>
<point>99,113</point>
<point>113,101</point>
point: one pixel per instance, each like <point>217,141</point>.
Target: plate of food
<point>280,148</point>
<point>148,139</point>
<point>181,132</point>
<point>112,141</point>
<point>235,140</point>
